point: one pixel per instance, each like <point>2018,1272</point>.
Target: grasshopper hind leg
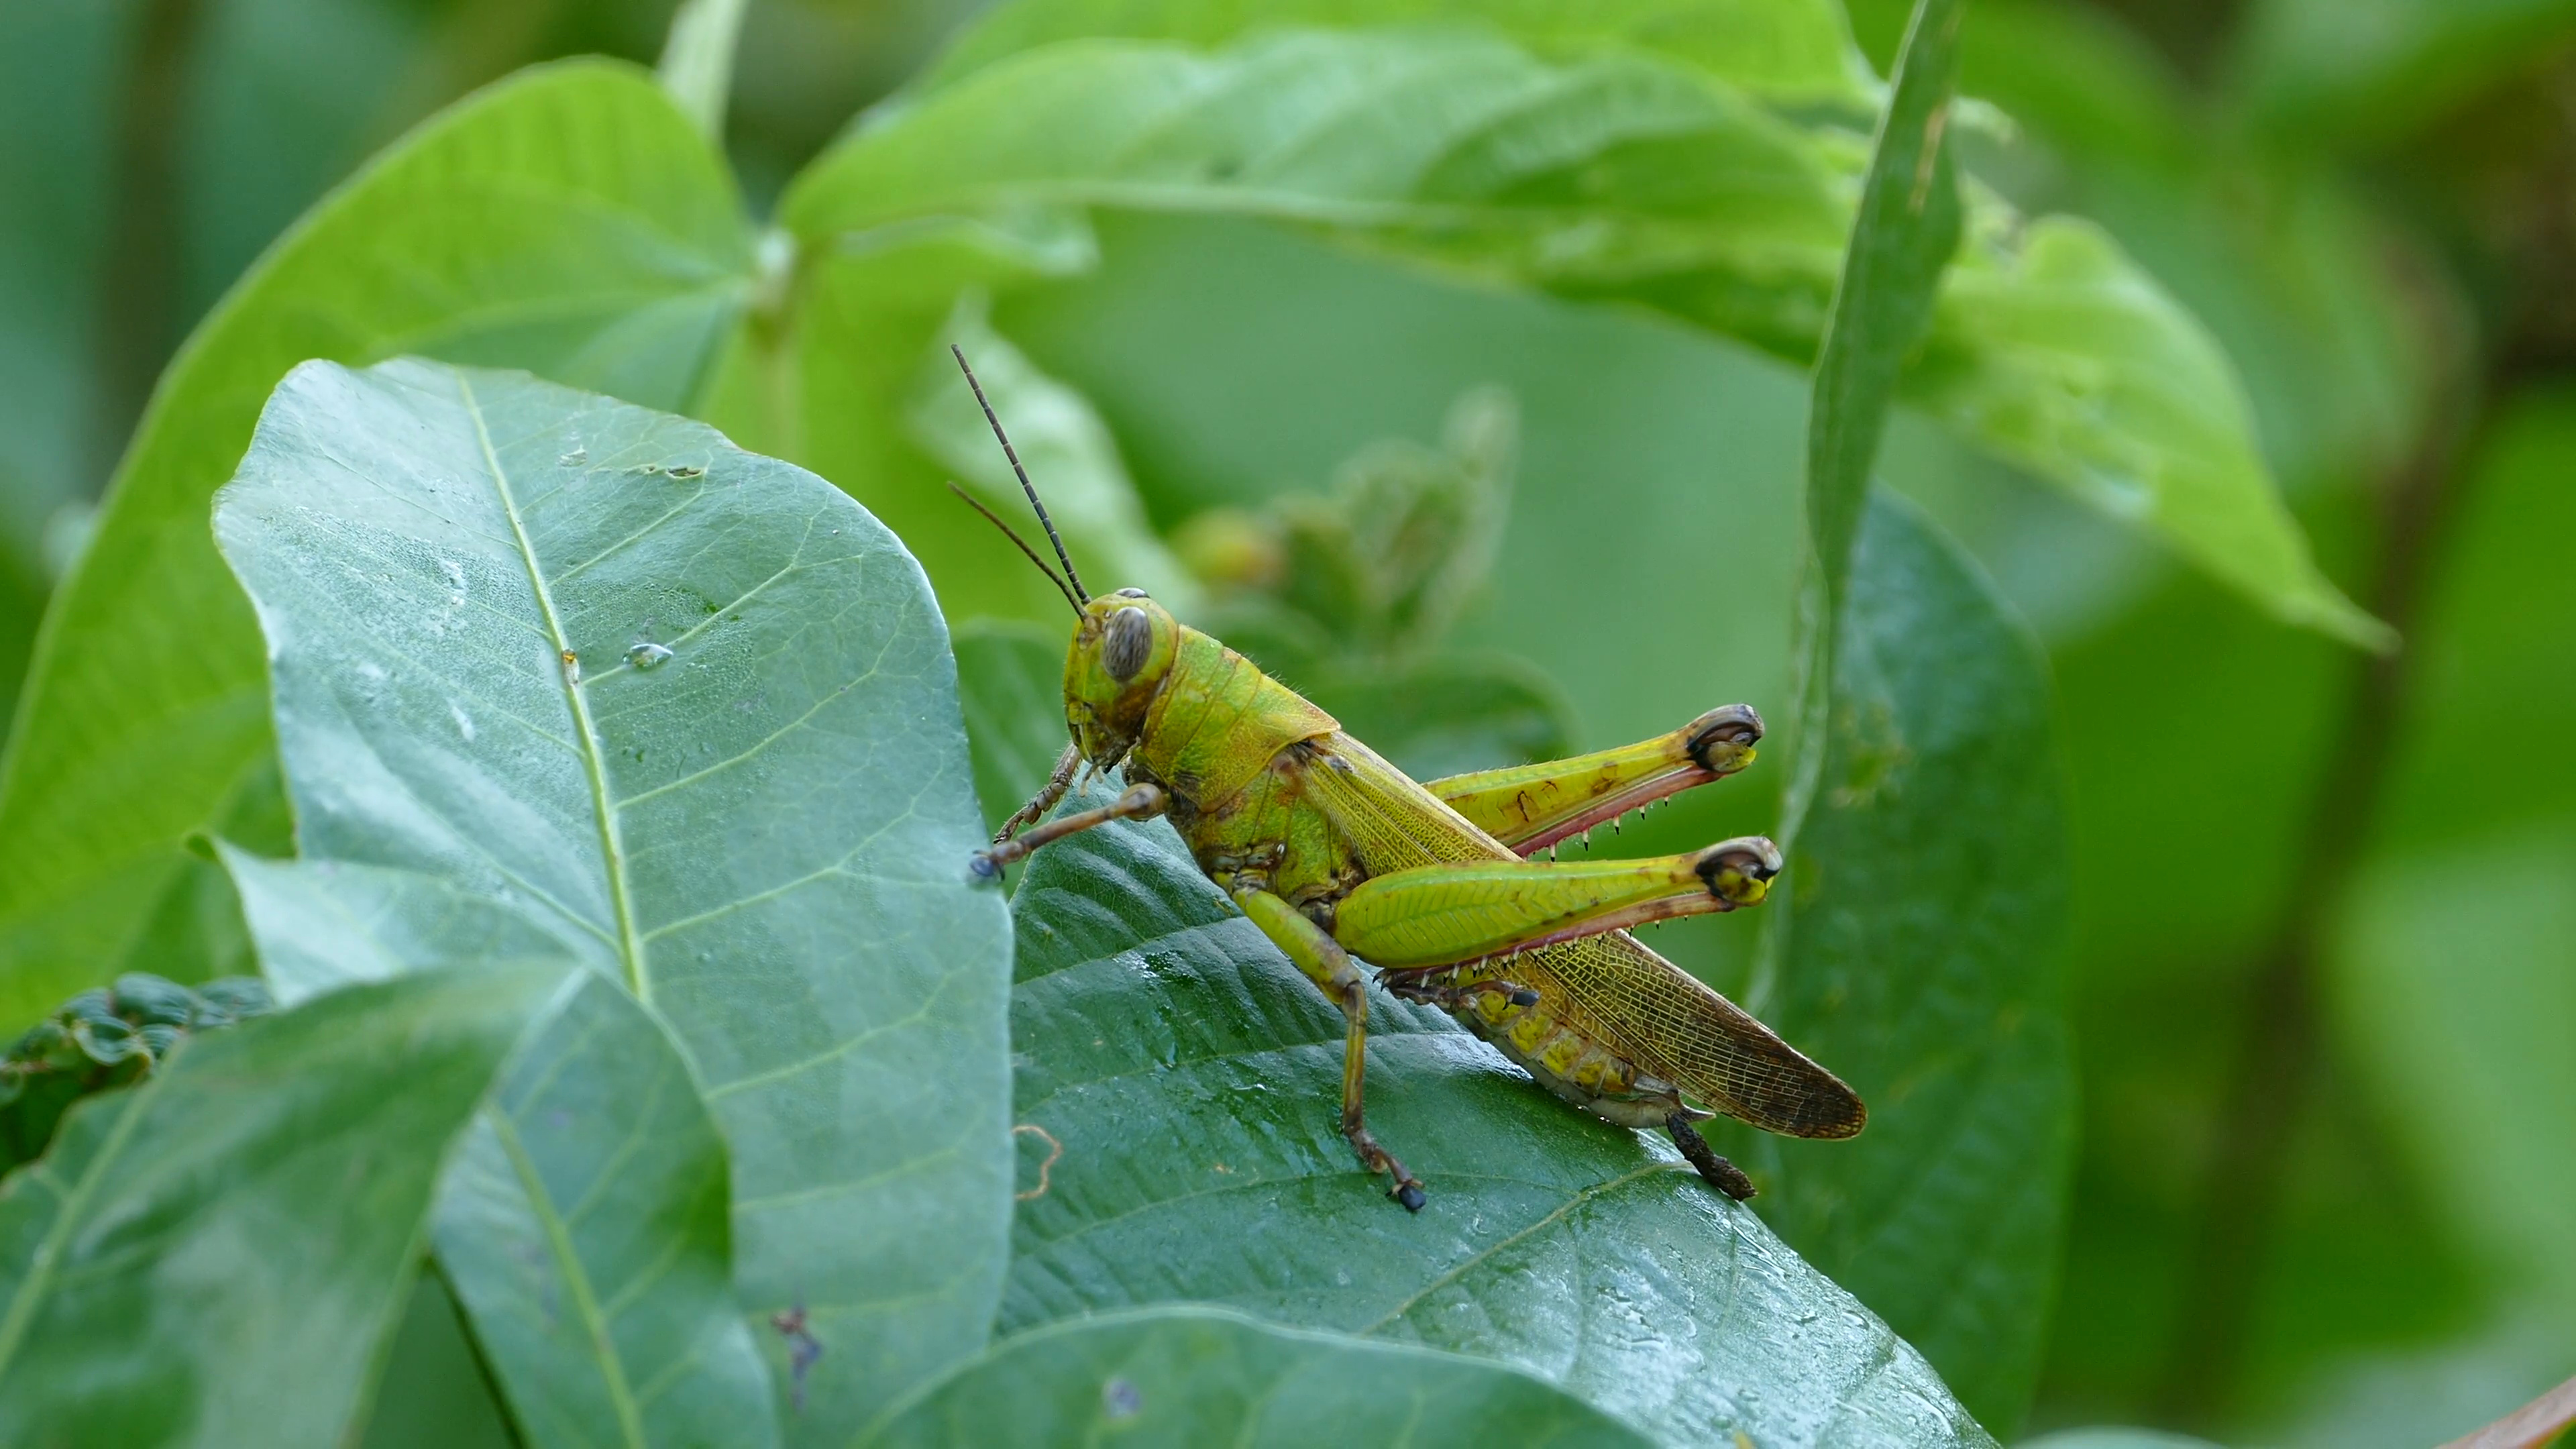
<point>1725,1176</point>
<point>1326,964</point>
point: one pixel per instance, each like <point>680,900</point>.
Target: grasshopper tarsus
<point>1410,1194</point>
<point>1725,1176</point>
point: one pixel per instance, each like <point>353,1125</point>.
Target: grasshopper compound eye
<point>1131,638</point>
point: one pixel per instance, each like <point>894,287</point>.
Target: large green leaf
<point>221,1256</point>
<point>582,1222</point>
<point>1614,176</point>
<point>1925,961</point>
<point>691,709</point>
<point>1795,51</point>
<point>1192,1376</point>
<point>1192,1078</point>
<point>568,220</point>
<point>583,1225</point>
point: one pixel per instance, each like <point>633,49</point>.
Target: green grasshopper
<point>1336,854</point>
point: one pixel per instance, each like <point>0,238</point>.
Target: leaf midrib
<point>630,948</point>
<point>612,1370</point>
<point>72,1208</point>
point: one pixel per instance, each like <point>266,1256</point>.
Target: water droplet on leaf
<point>645,656</point>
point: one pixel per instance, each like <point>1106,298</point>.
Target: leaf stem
<point>1903,236</point>
<point>697,60</point>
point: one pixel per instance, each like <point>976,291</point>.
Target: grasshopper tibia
<point>1329,967</point>
<point>1725,1176</point>
<point>1141,802</point>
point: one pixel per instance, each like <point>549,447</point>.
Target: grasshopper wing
<point>1609,987</point>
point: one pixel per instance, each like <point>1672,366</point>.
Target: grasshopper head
<point>1122,651</point>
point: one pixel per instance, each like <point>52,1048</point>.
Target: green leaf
<point>1792,51</point>
<point>1010,686</point>
<point>568,220</point>
<point>1192,1077</point>
<point>324,924</point>
<point>582,1221</point>
<point>692,710</point>
<point>1058,439</point>
<point>434,1393</point>
<point>583,1224</point>
<point>221,1256</point>
<point>2062,356</point>
<point>1193,1376</point>
<point>1613,176</point>
<point>854,379</point>
<point>1925,928</point>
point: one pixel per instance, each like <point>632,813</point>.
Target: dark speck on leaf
<point>686,471</point>
<point>1120,1400</point>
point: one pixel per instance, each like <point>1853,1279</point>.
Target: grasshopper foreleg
<point>1141,802</point>
<point>1329,967</point>
<point>1044,801</point>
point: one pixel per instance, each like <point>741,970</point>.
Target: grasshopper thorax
<point>1122,651</point>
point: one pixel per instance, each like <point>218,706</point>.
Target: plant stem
<point>138,295</point>
<point>2277,1058</point>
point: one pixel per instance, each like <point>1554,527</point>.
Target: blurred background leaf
<point>1613,175</point>
<point>568,220</point>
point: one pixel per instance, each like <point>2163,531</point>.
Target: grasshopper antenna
<point>1080,593</point>
<point>989,517</point>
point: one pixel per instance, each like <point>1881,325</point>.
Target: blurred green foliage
<point>2367,207</point>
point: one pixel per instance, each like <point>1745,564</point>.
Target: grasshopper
<point>1340,858</point>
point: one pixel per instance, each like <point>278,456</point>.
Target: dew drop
<point>646,656</point>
